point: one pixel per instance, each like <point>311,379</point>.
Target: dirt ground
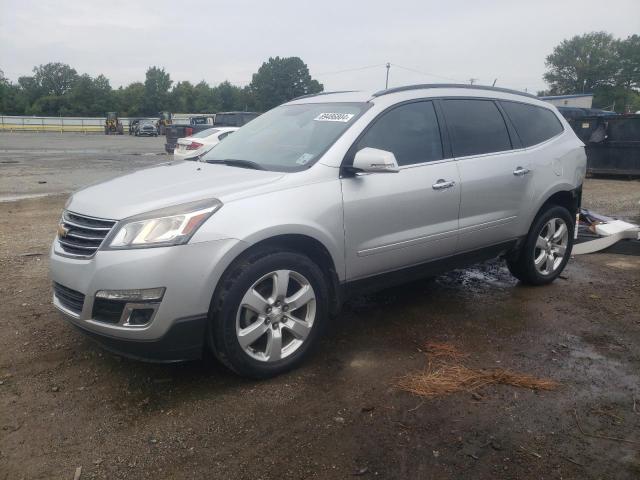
<point>65,403</point>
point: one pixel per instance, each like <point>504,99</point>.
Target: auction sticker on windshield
<point>334,117</point>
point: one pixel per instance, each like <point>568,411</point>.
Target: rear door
<point>394,220</point>
<point>494,172</point>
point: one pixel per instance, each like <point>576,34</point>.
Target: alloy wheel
<point>551,246</point>
<point>276,315</point>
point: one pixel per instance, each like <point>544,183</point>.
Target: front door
<point>395,220</point>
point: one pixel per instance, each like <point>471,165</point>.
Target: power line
<point>351,69</point>
<point>425,73</point>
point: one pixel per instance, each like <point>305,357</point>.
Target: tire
<point>255,353</point>
<point>546,251</point>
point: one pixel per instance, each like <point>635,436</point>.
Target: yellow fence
<point>56,124</point>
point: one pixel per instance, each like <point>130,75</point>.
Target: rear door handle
<point>520,172</point>
<point>442,184</point>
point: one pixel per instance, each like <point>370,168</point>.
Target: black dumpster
<point>612,143</point>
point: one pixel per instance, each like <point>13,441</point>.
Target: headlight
<point>168,226</point>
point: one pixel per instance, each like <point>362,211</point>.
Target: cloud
<point>219,40</point>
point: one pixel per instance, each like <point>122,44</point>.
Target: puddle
<point>492,274</point>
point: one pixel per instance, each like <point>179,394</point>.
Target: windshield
<point>289,137</point>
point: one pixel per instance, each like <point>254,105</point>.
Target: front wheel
<point>269,312</point>
<point>547,248</point>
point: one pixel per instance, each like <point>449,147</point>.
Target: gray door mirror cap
<point>374,160</point>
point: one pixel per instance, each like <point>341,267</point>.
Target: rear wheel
<point>547,248</point>
<point>269,312</point>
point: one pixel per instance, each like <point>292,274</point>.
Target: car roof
<point>419,91</point>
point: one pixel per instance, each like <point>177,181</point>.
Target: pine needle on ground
<point>444,378</point>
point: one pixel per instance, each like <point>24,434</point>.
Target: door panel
<point>393,220</point>
<point>492,198</point>
<point>495,177</point>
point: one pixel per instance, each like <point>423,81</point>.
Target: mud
<point>65,403</point>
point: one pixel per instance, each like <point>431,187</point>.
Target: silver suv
<point>251,249</point>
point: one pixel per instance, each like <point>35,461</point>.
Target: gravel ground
<point>65,403</point>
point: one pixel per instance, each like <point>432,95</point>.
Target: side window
<point>476,126</point>
<point>410,131</point>
<point>533,124</point>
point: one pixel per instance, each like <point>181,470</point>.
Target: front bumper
<point>183,341</point>
<point>189,273</point>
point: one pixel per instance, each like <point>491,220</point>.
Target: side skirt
<point>425,270</point>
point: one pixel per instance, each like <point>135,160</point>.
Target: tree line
<point>594,62</point>
<point>597,63</point>
<point>56,89</point>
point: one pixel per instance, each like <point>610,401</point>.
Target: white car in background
<point>190,148</point>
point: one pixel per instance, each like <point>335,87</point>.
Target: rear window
<point>476,127</point>
<point>205,133</point>
<point>533,124</point>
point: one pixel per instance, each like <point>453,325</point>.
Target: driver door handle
<point>443,184</point>
<point>521,172</point>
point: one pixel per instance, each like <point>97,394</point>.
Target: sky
<point>345,43</point>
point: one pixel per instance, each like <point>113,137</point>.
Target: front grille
<point>80,235</point>
<point>69,299</point>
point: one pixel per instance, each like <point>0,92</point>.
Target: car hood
<point>166,185</point>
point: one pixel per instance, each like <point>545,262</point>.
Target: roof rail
<point>450,85</point>
<point>321,93</point>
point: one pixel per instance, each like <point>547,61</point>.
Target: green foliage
<point>130,100</point>
<point>156,90</point>
<point>55,78</point>
<point>280,80</point>
<point>600,64</point>
<point>57,89</point>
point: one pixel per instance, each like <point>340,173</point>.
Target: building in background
<point>584,100</point>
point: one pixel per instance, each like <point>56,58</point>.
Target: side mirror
<point>374,160</point>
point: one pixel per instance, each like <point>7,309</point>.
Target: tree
<point>129,101</point>
<point>182,97</point>
<point>281,79</point>
<point>204,98</point>
<point>156,90</point>
<point>582,64</point>
<point>91,96</point>
<point>55,78</point>
<point>228,97</point>
<point>12,101</point>
<point>629,57</point>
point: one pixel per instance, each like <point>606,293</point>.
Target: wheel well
<point>569,199</point>
<point>316,251</point>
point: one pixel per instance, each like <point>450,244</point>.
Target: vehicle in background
<point>113,125</point>
<point>185,127</point>
<point>190,148</point>
<point>133,125</point>
<point>146,128</point>
<point>233,119</point>
<point>164,120</point>
<point>197,123</point>
<point>250,251</point>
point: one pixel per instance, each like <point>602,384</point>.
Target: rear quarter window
<point>534,124</point>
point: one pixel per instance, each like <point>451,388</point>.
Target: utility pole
<point>386,83</point>
<point>472,80</point>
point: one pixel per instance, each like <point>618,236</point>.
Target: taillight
<point>194,146</point>
<point>188,131</point>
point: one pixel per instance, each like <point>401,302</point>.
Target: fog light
<point>133,295</point>
<point>140,316</point>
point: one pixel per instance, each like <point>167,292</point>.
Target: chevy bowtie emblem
<point>62,230</point>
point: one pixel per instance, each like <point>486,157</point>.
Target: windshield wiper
<point>232,162</point>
